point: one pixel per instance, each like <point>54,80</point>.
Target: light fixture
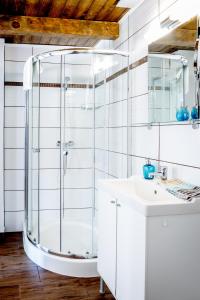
<point>181,12</point>
<point>169,24</point>
<point>156,31</point>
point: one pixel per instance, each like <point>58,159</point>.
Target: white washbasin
<point>149,197</point>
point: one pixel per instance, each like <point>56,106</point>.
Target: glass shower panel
<point>49,156</point>
<point>78,155</point>
<point>76,111</point>
<point>33,157</point>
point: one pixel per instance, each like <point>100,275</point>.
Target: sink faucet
<point>162,173</point>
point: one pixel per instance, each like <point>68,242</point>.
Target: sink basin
<point>149,197</point>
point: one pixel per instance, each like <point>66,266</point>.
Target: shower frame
<point>36,59</point>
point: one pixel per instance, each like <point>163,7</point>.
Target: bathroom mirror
<point>173,77</point>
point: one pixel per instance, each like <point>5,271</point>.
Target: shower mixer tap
<point>66,145</point>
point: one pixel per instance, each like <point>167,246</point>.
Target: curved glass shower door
<point>75,110</point>
<point>61,156</point>
<point>77,184</point>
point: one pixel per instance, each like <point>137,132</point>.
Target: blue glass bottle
<point>186,113</point>
<point>194,113</point>
<point>148,168</point>
<point>179,115</point>
<point>182,114</point>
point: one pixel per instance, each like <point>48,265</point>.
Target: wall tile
<point>82,138</point>
<point>139,80</point>
<point>14,159</point>
<point>14,117</point>
<point>142,15</point>
<point>79,178</point>
<point>17,53</point>
<point>140,109</point>
<point>14,201</point>
<point>116,139</point>
<point>145,141</point>
<point>180,144</point>
<point>14,96</point>
<point>14,221</point>
<point>187,174</point>
<point>14,180</point>
<point>14,71</point>
<point>14,137</point>
<point>117,165</point>
<point>78,198</point>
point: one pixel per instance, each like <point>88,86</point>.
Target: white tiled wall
<point>14,137</point>
<point>177,145</point>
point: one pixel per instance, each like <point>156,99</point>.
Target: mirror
<point>173,78</point>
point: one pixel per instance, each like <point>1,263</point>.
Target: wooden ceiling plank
<point>55,27</point>
<point>16,7</point>
<point>57,8</point>
<point>82,8</point>
<point>106,10</point>
<point>44,7</point>
<point>31,7</point>
<point>116,14</point>
<point>4,4</point>
<point>69,8</point>
<point>95,8</point>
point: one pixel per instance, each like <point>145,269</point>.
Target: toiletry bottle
<point>194,113</point>
<point>148,168</point>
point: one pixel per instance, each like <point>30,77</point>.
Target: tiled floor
<point>20,278</point>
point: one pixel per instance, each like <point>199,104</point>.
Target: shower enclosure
<point>64,108</point>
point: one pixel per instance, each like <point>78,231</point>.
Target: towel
<point>27,75</point>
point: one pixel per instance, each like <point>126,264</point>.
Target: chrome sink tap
<point>162,173</point>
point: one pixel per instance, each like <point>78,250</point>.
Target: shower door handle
<point>65,154</point>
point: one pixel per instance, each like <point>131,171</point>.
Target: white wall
<point>1,134</point>
<point>176,145</point>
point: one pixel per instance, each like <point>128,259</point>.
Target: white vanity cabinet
<point>121,247</point>
<point>107,239</point>
<point>147,255</point>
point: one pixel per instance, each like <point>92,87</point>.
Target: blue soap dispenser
<point>147,169</point>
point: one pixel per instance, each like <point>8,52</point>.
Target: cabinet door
<point>130,282</point>
<point>107,239</point>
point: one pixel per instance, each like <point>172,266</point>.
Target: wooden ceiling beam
<point>55,27</point>
<point>177,39</point>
